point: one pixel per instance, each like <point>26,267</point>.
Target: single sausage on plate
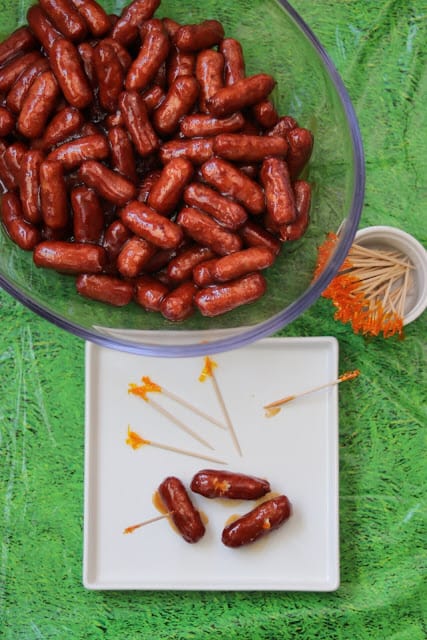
<point>182,511</point>
<point>266,517</point>
<point>217,299</point>
<point>213,483</point>
<point>104,288</point>
<point>70,257</point>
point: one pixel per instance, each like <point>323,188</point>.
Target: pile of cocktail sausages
<point>136,154</point>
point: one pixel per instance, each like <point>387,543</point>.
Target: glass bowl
<point>275,40</point>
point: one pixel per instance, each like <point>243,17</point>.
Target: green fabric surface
<point>380,49</point>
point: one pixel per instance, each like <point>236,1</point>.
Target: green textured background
<point>380,49</point>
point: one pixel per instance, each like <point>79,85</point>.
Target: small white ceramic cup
<point>382,237</point>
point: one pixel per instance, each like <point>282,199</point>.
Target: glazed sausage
<point>230,181</point>
<point>241,263</point>
<point>122,53</point>
<point>67,66</point>
<point>53,194</point>
<point>122,153</point>
<point>279,196</point>
<point>109,74</point>
<point>202,273</point>
<point>152,54</point>
<point>212,483</point>
<point>137,123</point>
<point>243,93</point>
<point>87,55</point>
<point>195,37</point>
<point>179,63</point>
<point>178,304</point>
<point>153,98</point>
<point>197,150</point>
<point>254,235</point>
<point>65,18</point>
<point>13,159</point>
<point>207,232</point>
<point>115,237</point>
<point>42,27</point>
<point>66,122</point>
<point>199,124</point>
<point>88,216</point>
<point>150,225</point>
<point>18,91</point>
<point>300,148</point>
<point>240,147</point>
<point>29,185</point>
<point>133,256</point>
<point>209,74</point>
<point>22,232</point>
<point>6,176</point>
<point>281,128</point>
<point>38,105</point>
<point>180,268</point>
<point>234,62</point>
<point>182,511</point>
<point>69,257</point>
<point>107,183</point>
<point>149,292</point>
<point>11,71</point>
<point>265,114</point>
<point>295,230</point>
<point>7,122</point>
<point>74,153</point>
<point>179,101</point>
<point>20,41</point>
<point>105,288</point>
<point>228,212</point>
<point>219,299</point>
<point>265,518</point>
<point>147,184</point>
<point>94,15</point>
<point>166,192</point>
<point>126,28</point>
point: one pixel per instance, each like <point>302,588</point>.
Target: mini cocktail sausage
<point>126,28</point>
<point>218,299</point>
<point>88,216</point>
<point>178,304</point>
<point>231,181</point>
<point>228,212</point>
<point>38,105</point>
<point>279,195</point>
<point>29,185</point>
<point>105,288</point>
<point>241,263</point>
<point>213,483</point>
<point>22,232</point>
<point>152,54</point>
<point>182,511</point>
<point>66,18</point>
<point>166,192</point>
<point>70,257</point>
<point>150,225</point>
<point>265,518</point>
<point>149,293</point>
<point>195,37</point>
<point>67,66</point>
<point>206,231</point>
<point>244,148</point>
<point>107,183</point>
<point>243,93</point>
<point>74,153</point>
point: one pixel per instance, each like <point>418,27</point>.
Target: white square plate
<point>296,450</point>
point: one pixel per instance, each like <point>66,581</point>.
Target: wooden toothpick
<point>273,407</point>
<point>136,441</point>
<point>134,527</point>
<point>208,372</point>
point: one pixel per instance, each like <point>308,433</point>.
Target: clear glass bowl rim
<point>290,313</point>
